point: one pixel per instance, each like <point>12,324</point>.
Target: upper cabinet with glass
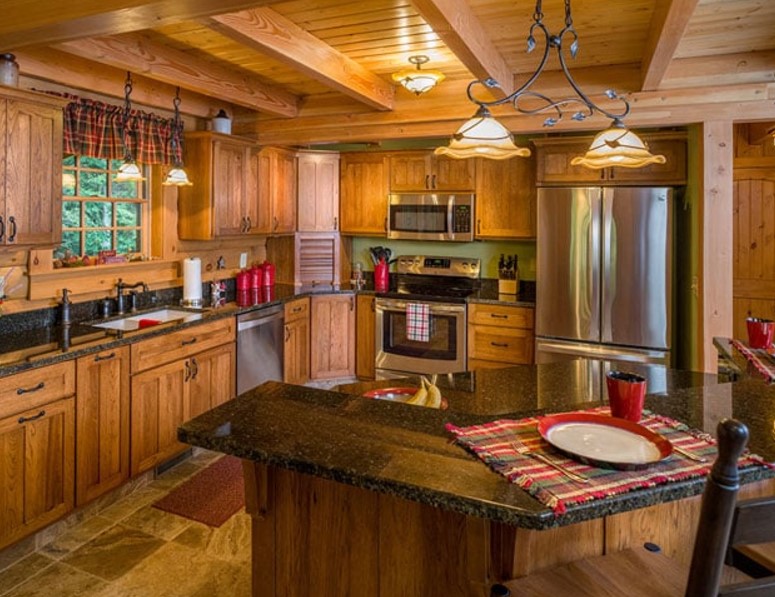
<point>31,166</point>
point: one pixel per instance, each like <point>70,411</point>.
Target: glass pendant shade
<point>129,171</point>
<point>617,146</point>
<point>418,81</point>
<point>177,177</point>
<point>482,136</point>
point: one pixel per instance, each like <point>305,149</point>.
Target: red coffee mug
<point>626,392</point>
<point>760,332</point>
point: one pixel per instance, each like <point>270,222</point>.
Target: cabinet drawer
<point>298,309</point>
<point>503,316</point>
<point>179,345</point>
<point>32,389</point>
<point>505,345</point>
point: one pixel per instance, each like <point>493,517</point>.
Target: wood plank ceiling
<point>300,72</point>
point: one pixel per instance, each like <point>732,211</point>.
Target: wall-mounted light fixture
<point>616,146</point>
<point>416,80</point>
<point>129,171</point>
<point>177,175</point>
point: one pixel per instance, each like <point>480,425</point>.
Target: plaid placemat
<point>418,325</point>
<point>491,442</point>
<point>758,357</point>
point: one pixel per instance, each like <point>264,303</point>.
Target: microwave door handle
<point>450,219</point>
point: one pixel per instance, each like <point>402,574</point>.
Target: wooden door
<point>158,407</point>
<point>211,379</point>
<point>296,351</point>
<point>365,337</point>
<point>453,175</point>
<point>410,171</point>
<point>333,336</point>
<point>230,199</point>
<point>36,468</point>
<point>505,198</point>
<point>33,174</point>
<point>318,192</point>
<point>284,192</point>
<point>363,193</point>
<point>102,423</point>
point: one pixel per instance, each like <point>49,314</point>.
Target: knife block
<point>508,286</point>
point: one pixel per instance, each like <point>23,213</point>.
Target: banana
<point>420,396</point>
<point>434,397</point>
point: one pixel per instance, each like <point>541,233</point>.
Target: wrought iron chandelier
<point>483,136</point>
<point>129,171</point>
<point>177,175</point>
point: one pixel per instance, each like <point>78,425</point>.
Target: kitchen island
<point>357,496</point>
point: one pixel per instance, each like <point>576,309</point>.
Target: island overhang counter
<point>357,496</point>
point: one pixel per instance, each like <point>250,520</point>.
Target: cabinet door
<point>453,175</point>
<point>102,423</point>
<point>261,180</point>
<point>553,163</point>
<point>211,379</point>
<point>318,192</point>
<point>364,344</point>
<point>333,336</point>
<point>363,193</point>
<point>33,175</point>
<point>230,200</point>
<point>672,172</point>
<point>505,198</point>
<point>410,171</point>
<point>158,407</point>
<point>36,468</point>
<point>296,351</point>
<point>284,193</point>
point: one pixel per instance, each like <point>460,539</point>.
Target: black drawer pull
<point>500,344</point>
<point>12,229</point>
<point>106,357</point>
<point>499,316</point>
<point>188,342</point>
<point>40,386</point>
<point>32,418</point>
<point>297,309</point>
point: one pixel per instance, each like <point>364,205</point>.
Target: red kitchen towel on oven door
<point>418,322</point>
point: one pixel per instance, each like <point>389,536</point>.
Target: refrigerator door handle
<point>608,264</point>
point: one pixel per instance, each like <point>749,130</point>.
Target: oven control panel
<point>460,267</point>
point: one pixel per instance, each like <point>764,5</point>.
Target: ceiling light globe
<point>129,171</point>
<point>177,177</point>
<point>617,146</point>
<point>482,136</point>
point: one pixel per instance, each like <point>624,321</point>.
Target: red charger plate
<point>594,450</point>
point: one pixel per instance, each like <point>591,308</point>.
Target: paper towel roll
<point>192,280</point>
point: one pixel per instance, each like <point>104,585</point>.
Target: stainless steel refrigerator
<point>604,277</point>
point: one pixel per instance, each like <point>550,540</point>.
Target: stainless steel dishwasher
<point>259,347</point>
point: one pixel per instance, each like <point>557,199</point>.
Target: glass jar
<point>9,70</point>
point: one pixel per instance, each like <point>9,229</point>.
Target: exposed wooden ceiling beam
<point>78,73</point>
<point>668,25</point>
<point>47,22</point>
<point>727,69</point>
<point>454,22</point>
<point>138,54</point>
<point>271,33</point>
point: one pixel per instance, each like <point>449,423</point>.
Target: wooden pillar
<point>715,283</point>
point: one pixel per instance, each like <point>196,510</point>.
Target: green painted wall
<point>489,252</point>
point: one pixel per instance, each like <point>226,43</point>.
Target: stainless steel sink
<point>149,319</point>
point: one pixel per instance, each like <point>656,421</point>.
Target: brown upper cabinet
<point>554,155</point>
<point>505,198</point>
<point>423,171</point>
<point>219,167</point>
<point>364,179</point>
<point>31,166</point>
<point>274,173</point>
<point>318,194</point>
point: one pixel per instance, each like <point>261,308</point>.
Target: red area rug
<point>211,496</point>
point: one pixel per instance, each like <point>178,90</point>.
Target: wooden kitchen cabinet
<point>363,193</point>
<point>505,198</point>
<point>554,155</point>
<point>37,444</point>
<point>275,172</point>
<point>332,321</point>
<point>31,168</point>
<point>222,201</point>
<point>365,348</point>
<point>499,336</point>
<point>102,423</point>
<point>212,380</point>
<point>423,171</point>
<point>296,349</point>
<point>318,192</point>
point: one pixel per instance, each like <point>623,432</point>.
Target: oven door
<point>445,352</point>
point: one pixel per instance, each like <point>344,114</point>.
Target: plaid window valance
<point>94,129</point>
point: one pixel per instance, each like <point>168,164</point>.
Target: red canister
<point>256,273</point>
<point>268,273</point>
<point>243,280</point>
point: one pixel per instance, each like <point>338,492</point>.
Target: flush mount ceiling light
<point>418,81</point>
<point>129,171</point>
<point>618,148</point>
<point>177,175</point>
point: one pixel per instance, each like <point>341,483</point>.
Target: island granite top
<point>406,451</point>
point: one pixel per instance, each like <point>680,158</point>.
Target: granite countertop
<point>405,450</point>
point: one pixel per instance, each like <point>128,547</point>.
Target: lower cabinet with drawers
<point>499,335</point>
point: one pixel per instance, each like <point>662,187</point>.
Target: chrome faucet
<point>121,298</point>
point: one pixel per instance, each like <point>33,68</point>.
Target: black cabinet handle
<point>287,333</point>
<point>32,418</point>
<point>336,223</point>
<point>427,181</point>
<point>12,235</point>
<point>250,224</point>
<point>40,386</point>
<point>106,357</point>
<point>187,376</point>
<point>195,367</point>
<point>352,303</point>
<point>500,344</point>
<point>2,228</point>
<point>188,342</point>
<point>497,316</point>
<point>478,226</point>
<point>433,181</point>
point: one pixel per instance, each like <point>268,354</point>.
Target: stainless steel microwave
<point>436,216</point>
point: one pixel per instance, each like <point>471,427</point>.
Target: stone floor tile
<point>22,571</point>
<point>127,506</point>
<point>18,551</point>
<point>230,541</point>
<point>73,538</point>
<point>60,580</point>
<point>157,522</point>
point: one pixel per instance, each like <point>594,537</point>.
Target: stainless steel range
<point>429,295</point>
